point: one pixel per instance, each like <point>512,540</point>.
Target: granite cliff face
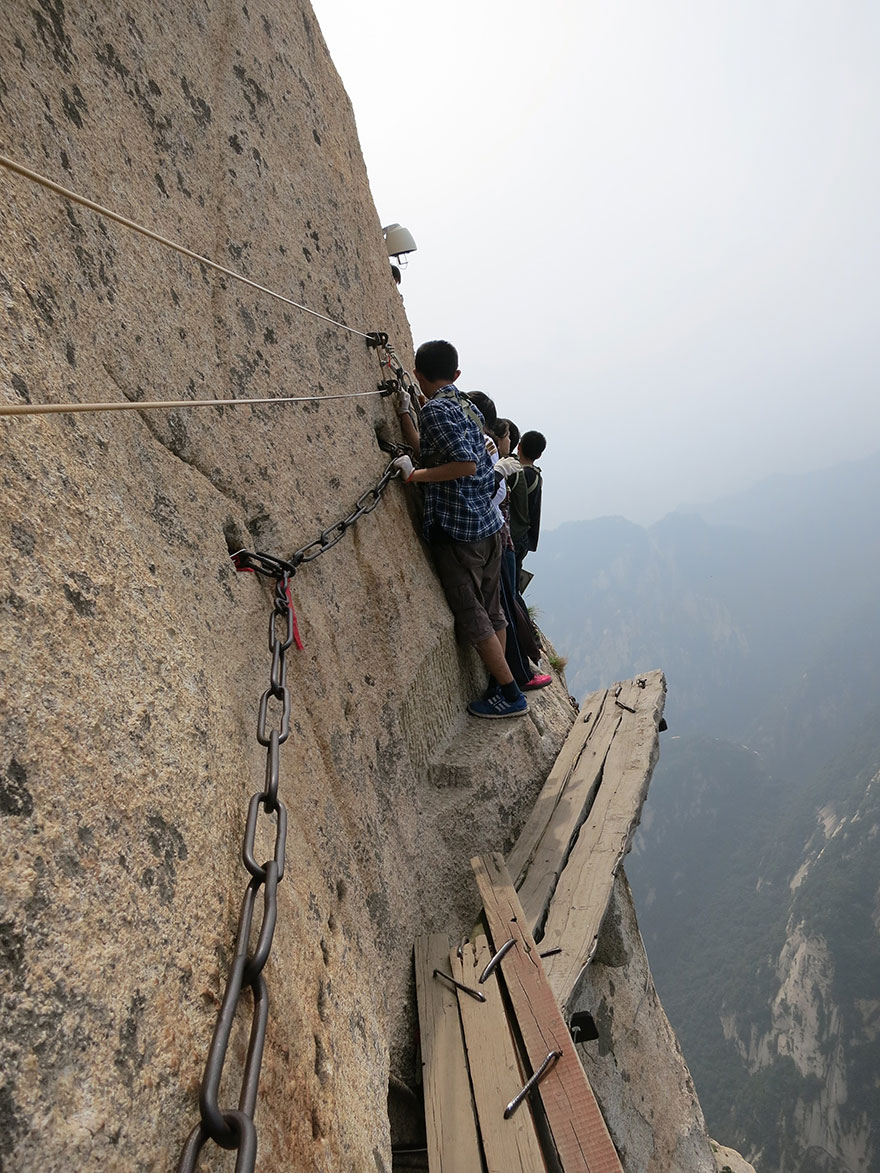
<point>821,1031</point>
<point>134,656</point>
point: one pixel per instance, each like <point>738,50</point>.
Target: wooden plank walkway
<point>582,1140</point>
<point>581,896</point>
<point>510,1146</point>
<point>453,1145</point>
<point>478,1055</point>
<point>545,841</point>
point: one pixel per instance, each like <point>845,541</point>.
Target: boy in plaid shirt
<point>460,522</point>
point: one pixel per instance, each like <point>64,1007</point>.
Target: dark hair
<point>437,360</point>
<point>485,407</point>
<point>532,444</point>
<point>514,436</point>
<point>501,428</point>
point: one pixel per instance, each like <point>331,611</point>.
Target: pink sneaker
<point>538,681</point>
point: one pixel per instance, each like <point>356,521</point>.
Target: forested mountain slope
<point>757,868</point>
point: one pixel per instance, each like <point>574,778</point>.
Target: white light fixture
<point>398,241</point>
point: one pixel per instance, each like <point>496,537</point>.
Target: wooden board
<point>540,860</point>
<point>580,900</point>
<point>555,786</point>
<point>581,1137</point>
<point>509,1146</point>
<point>453,1145</point>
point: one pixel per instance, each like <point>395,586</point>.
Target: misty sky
<point>651,228</point>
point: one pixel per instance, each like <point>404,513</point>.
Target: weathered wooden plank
<point>509,1146</point>
<point>556,785</point>
<point>581,1137</point>
<point>580,900</point>
<point>453,1145</point>
<point>583,766</point>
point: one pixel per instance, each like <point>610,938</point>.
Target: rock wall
<point>134,656</point>
<point>810,1031</point>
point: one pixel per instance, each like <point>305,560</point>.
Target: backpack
<point>521,493</point>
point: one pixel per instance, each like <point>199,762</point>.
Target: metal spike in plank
<point>453,1145</point>
<point>581,1137</point>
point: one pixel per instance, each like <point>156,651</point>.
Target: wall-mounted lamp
<point>398,241</point>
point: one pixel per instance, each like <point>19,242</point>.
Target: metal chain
<point>327,539</point>
<point>235,1129</point>
<point>402,380</point>
<point>365,504</point>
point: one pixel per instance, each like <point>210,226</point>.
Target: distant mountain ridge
<point>735,614</point>
<point>757,867</point>
<point>781,500</point>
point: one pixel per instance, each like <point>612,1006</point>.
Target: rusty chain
<point>365,504</point>
<point>327,539</point>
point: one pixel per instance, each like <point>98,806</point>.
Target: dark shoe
<point>498,706</point>
<point>537,681</point>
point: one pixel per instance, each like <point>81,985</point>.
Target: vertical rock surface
<point>133,657</point>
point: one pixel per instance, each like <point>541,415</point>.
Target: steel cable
<point>141,405</point>
<point>50,185</point>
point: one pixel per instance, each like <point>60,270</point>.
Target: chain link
<point>402,380</point>
<point>365,504</point>
<point>235,1129</point>
<point>266,564</point>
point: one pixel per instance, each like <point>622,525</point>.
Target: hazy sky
<point>651,227</point>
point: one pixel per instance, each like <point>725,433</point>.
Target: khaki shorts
<point>470,573</point>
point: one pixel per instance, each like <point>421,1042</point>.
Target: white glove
<point>404,466</point>
<point>402,402</point>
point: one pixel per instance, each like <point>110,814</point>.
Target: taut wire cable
<point>141,405</point>
<point>76,198</point>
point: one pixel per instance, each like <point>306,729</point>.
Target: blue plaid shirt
<point>461,509</point>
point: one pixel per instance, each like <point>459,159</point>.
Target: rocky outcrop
<point>134,657</point>
<point>821,1031</point>
<point>807,1030</point>
<point>635,1065</point>
<point>807,1033</point>
<point>729,1160</point>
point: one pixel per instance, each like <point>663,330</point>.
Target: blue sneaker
<point>498,706</point>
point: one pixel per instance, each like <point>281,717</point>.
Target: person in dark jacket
<point>525,484</point>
